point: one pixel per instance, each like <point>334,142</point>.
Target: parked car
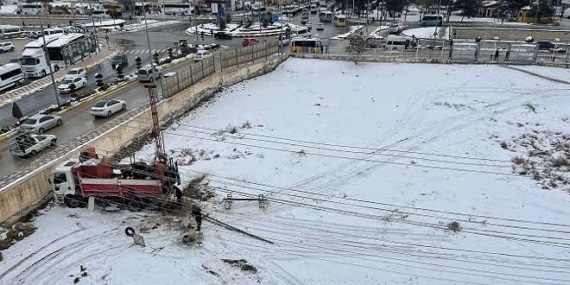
<point>223,36</point>
<point>40,123</point>
<point>201,55</point>
<point>119,60</point>
<point>320,27</point>
<point>6,47</point>
<point>65,85</point>
<point>148,73</point>
<point>106,108</point>
<point>249,41</point>
<point>75,72</point>
<point>26,145</point>
<point>32,34</point>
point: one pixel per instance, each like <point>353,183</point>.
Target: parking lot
<point>19,43</point>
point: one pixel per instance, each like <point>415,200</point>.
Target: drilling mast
<point>156,132</point>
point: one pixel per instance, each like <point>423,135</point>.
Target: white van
<point>148,73</point>
<point>201,54</point>
<point>397,42</point>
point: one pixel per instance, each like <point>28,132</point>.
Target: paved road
<point>78,121</point>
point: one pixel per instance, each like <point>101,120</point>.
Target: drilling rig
<point>136,184</point>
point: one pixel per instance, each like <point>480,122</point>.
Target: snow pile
<point>208,28</point>
<point>150,24</point>
<point>395,174</point>
<point>105,23</point>
<point>353,29</point>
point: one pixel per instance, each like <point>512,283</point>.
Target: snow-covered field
<point>552,72</point>
<point>364,176</point>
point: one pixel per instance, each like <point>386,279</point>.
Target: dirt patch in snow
<point>241,264</point>
<point>544,156</point>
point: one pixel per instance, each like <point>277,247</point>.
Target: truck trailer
<point>134,184</point>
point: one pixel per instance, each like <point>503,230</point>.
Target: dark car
<point>223,36</point>
<point>119,60</point>
<point>550,46</point>
<point>545,45</point>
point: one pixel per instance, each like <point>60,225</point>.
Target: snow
<point>105,23</point>
<point>551,72</point>
<point>461,19</point>
<point>349,170</point>
<point>427,33</point>
<point>352,30</point>
<point>150,24</point>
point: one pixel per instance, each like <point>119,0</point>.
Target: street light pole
<point>57,99</point>
<point>147,36</point>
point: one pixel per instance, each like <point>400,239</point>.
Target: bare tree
<point>357,44</point>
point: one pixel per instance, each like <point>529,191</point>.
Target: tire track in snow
<point>13,267</point>
<point>70,249</point>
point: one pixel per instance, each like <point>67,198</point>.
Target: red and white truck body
<point>76,180</point>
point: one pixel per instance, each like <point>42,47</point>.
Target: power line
<point>381,203</point>
<point>386,149</point>
<point>405,260</point>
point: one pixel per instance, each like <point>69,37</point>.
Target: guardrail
<point>23,190</point>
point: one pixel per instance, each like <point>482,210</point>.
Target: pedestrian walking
<point>497,54</point>
<point>507,55</point>
<point>197,214</point>
<point>327,49</point>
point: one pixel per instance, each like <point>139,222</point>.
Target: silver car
<point>148,73</point>
<point>41,123</point>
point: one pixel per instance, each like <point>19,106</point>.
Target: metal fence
<point>219,61</point>
<point>486,51</point>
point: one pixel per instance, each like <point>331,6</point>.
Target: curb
<point>98,95</point>
<point>6,136</point>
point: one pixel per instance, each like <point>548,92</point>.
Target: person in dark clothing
<point>497,54</point>
<point>197,214</point>
<point>507,55</point>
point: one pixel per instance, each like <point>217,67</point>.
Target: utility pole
<point>57,99</point>
<point>147,38</point>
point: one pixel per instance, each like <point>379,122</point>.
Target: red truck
<point>136,184</point>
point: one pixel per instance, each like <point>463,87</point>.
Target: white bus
<point>67,49</point>
<point>9,31</point>
<point>177,9</point>
<point>11,74</point>
<point>31,8</point>
<point>33,60</point>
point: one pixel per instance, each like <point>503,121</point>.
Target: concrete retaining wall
<point>18,198</point>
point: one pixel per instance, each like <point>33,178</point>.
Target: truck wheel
<point>134,206</point>
<point>56,68</point>
<point>72,202</point>
<point>44,73</point>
